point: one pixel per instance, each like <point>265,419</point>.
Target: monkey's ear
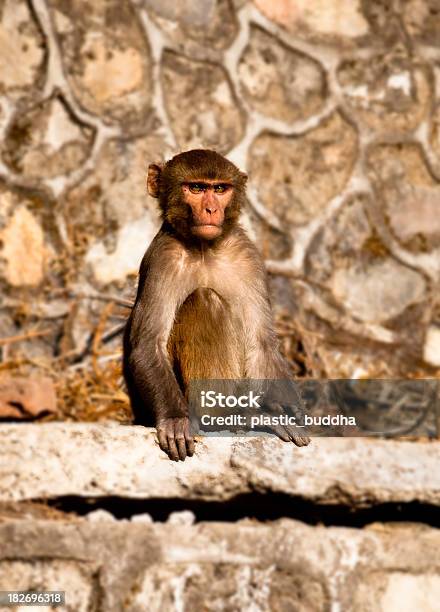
<point>244,177</point>
<point>153,176</point>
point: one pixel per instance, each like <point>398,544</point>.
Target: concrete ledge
<point>51,460</point>
<point>286,565</point>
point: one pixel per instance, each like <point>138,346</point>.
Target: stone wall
<point>196,536</point>
<point>104,565</point>
<point>331,107</point>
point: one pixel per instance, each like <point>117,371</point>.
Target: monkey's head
<point>200,193</point>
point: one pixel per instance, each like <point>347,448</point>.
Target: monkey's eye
<point>220,188</point>
<point>197,187</point>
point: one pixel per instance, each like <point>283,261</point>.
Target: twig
<point>116,397</point>
<point>104,297</point>
<point>113,332</point>
<point>26,336</point>
<point>80,354</point>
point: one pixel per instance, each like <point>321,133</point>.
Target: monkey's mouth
<point>206,231</point>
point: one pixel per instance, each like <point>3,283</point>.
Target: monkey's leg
<point>265,362</point>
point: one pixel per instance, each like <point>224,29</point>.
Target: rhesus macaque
<point>202,309</point>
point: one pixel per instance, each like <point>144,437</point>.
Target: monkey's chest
<point>207,339</point>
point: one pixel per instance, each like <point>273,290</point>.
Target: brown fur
<point>203,327</point>
<point>202,310</point>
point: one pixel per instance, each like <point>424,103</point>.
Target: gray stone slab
<point>244,566</point>
<point>56,459</point>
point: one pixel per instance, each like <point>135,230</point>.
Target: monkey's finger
<point>189,440</point>
<point>180,438</point>
<point>181,447</point>
<point>162,436</point>
<point>300,440</point>
<point>297,436</point>
<point>280,432</point>
<point>172,448</point>
<point>190,449</point>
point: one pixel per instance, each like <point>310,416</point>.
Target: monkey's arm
<point>265,362</point>
<point>146,357</point>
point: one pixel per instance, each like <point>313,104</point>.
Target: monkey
<point>202,309</point>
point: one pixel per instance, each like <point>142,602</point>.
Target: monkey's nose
<point>210,209</point>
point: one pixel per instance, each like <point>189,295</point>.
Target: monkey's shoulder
<point>239,248</point>
<point>163,248</point>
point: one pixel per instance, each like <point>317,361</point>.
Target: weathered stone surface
<point>22,235</point>
<point>431,351</point>
<point>328,19</point>
<point>100,516</point>
<point>211,23</point>
<point>233,586</point>
<point>416,214</point>
<point>28,225</point>
<point>97,566</point>
<point>305,172</point>
<point>422,20</point>
<point>46,141</point>
<point>384,18</point>
<point>409,193</point>
<point>107,59</point>
<point>51,460</point>
<point>115,190</point>
<point>222,566</point>
<point>279,81</point>
<point>198,13</point>
<point>185,517</point>
<point>118,182</point>
<point>378,292</point>
<point>22,50</point>
<point>435,121</point>
<point>387,93</point>
<point>29,266</point>
<point>132,240</point>
<point>396,590</point>
<point>72,576</point>
<point>119,221</point>
<point>210,119</point>
<point>349,257</point>
<point>273,244</point>
<point>348,236</point>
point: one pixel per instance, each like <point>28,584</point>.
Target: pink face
<point>208,200</point>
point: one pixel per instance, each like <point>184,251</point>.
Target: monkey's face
<point>200,194</point>
<point>208,200</point>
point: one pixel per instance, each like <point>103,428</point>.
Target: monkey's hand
<point>175,438</point>
<point>288,433</point>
